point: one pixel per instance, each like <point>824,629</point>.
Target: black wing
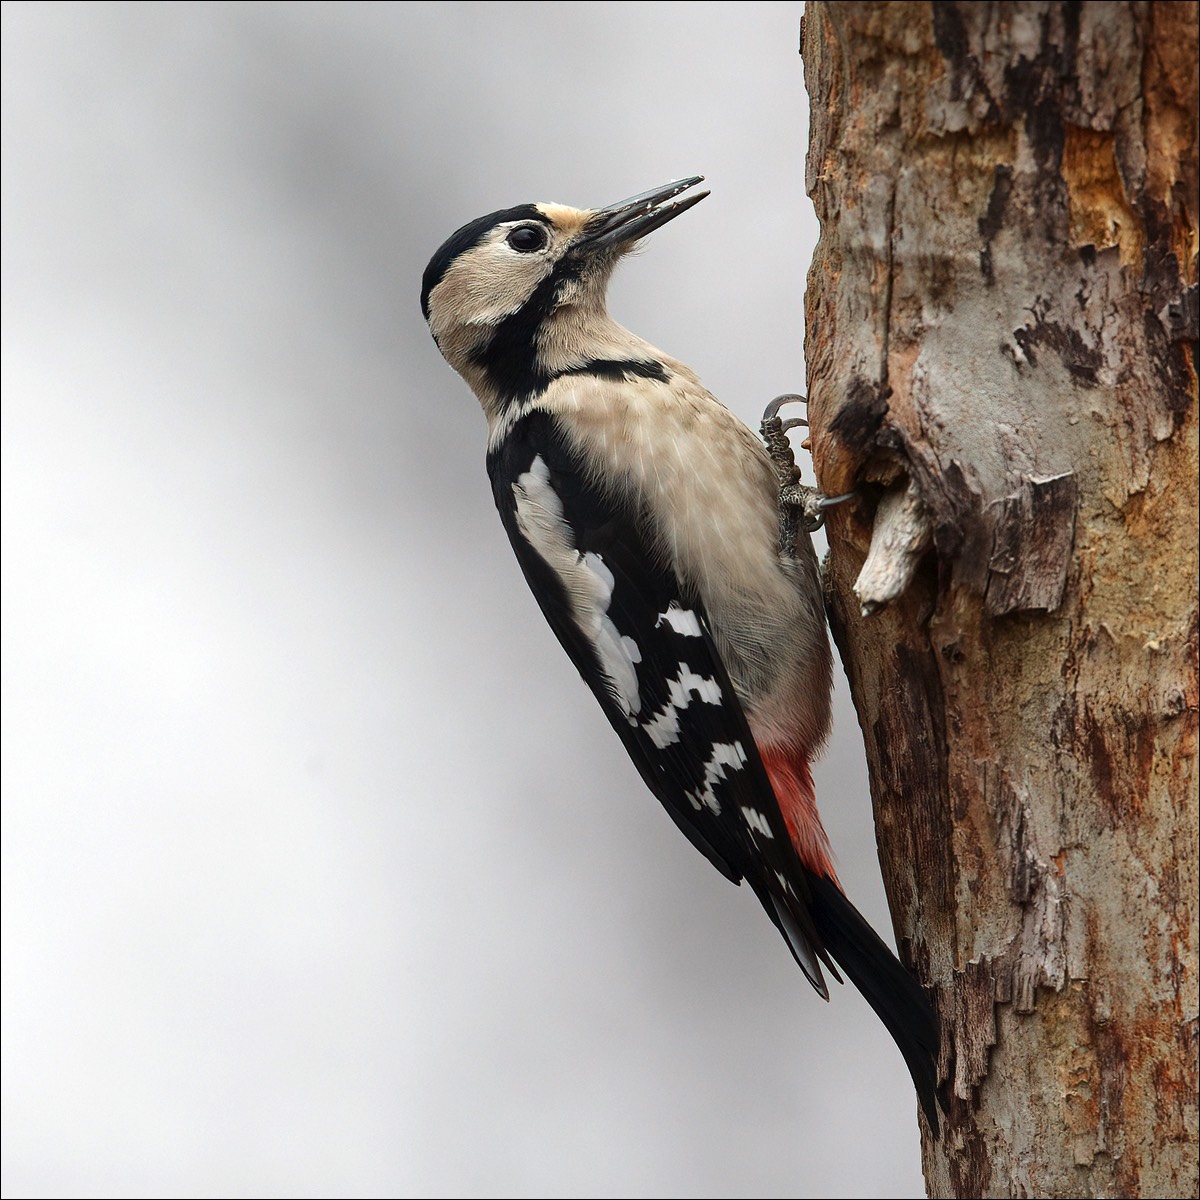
<point>644,647</point>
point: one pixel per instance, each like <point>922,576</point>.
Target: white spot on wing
<point>663,727</point>
<point>724,755</point>
<point>596,564</point>
<point>586,578</point>
<point>682,620</point>
<point>757,822</point>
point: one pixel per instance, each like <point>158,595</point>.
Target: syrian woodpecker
<point>645,518</point>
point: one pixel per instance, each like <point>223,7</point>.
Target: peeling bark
<point>1002,324</point>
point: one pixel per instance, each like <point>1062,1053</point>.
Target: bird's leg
<point>800,506</point>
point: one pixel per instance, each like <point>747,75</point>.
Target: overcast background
<point>323,874</point>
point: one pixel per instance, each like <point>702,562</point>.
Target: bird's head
<point>519,294</point>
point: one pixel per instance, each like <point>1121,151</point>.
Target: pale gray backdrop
<point>323,874</point>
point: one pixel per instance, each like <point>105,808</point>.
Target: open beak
<point>624,223</point>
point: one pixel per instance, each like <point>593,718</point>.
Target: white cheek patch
<point>585,577</point>
<point>682,620</point>
<point>489,282</point>
<point>725,756</point>
<point>663,728</point>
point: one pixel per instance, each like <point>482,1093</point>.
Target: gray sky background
<point>323,874</point>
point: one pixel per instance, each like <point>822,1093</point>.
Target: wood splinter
<point>900,537</point>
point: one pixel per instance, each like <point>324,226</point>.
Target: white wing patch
<point>586,578</point>
<point>663,727</point>
<point>618,653</point>
<point>682,620</point>
<point>724,754</point>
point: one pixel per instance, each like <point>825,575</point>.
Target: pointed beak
<point>622,224</point>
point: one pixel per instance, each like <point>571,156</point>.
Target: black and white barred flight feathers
<point>645,519</point>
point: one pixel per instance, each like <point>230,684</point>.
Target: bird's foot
<point>774,431</point>
<point>798,503</point>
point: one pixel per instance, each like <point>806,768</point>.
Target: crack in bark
<point>888,285</point>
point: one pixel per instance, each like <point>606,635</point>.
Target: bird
<point>645,518</point>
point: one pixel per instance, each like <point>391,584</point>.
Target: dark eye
<point>527,238</point>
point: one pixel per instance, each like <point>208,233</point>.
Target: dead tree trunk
<point>1002,318</point>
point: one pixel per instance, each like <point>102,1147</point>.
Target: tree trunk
<point>1002,317</point>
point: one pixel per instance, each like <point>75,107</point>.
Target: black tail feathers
<point>887,987</point>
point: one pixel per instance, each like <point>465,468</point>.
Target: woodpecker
<point>646,520</point>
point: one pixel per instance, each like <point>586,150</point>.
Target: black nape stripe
<point>619,369</point>
<point>464,239</point>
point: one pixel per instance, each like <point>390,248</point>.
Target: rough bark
<point>1002,324</point>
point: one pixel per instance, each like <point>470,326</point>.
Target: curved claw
<point>824,502</point>
<point>772,409</point>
